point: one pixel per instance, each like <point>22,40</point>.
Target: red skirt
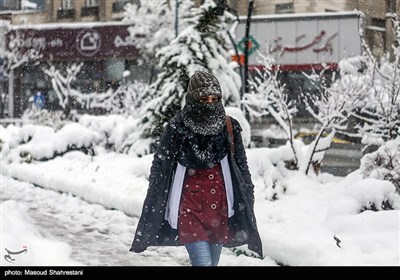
<point>203,210</point>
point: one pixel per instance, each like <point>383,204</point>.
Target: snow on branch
<point>379,110</point>
<point>337,98</point>
<point>13,50</point>
<point>61,83</point>
<point>126,99</point>
<point>153,25</point>
<point>268,96</point>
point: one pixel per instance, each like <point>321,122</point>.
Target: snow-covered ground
<point>58,229</point>
<point>314,221</point>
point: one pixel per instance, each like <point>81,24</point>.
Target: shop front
<point>104,49</point>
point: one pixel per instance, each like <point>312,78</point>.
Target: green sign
<point>253,44</point>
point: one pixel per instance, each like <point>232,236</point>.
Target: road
<point>339,160</point>
<point>342,159</point>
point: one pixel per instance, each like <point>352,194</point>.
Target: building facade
<point>46,11</point>
<point>71,21</point>
<point>67,31</point>
<point>378,15</point>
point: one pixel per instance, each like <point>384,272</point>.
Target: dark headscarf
<point>203,118</point>
<point>204,137</point>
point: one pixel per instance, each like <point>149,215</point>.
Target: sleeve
<point>162,153</point>
<point>241,159</point>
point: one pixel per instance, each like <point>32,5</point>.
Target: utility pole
<point>176,18</point>
<point>11,94</point>
<point>390,15</point>
<point>246,48</point>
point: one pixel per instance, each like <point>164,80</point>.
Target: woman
<point>200,192</point>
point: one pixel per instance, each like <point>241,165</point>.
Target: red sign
<point>239,59</point>
<point>69,42</point>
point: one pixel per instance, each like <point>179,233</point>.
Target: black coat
<point>154,230</point>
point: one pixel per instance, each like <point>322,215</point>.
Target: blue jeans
<point>203,253</point>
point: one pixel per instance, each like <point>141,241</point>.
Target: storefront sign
<point>298,40</point>
<point>68,42</point>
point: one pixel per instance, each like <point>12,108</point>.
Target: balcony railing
<point>70,13</point>
<point>89,11</point>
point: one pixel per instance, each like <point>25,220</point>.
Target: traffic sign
<point>252,43</point>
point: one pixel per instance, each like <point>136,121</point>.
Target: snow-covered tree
<point>202,45</point>
<point>13,49</point>
<point>14,52</point>
<point>126,99</point>
<point>332,107</point>
<point>379,110</point>
<point>268,97</point>
<point>62,84</point>
<point>153,26</point>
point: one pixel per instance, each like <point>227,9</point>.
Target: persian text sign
<point>68,42</point>
<point>305,39</point>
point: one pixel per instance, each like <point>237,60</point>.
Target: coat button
<point>212,191</point>
<point>211,176</point>
<point>213,206</point>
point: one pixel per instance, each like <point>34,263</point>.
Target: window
<point>67,9</point>
<point>91,3</point>
<point>9,5</point>
<point>67,5</point>
<point>284,8</point>
<point>91,8</point>
<point>378,22</point>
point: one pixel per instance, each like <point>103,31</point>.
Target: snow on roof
<point>303,16</point>
<point>69,25</point>
<point>26,4</point>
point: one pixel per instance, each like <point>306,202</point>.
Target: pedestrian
<point>38,100</point>
<point>200,191</point>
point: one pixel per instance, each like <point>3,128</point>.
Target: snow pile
<point>42,143</point>
<point>384,164</point>
<point>119,133</point>
<point>316,224</point>
<point>18,233</point>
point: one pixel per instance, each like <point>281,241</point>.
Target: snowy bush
<point>268,171</point>
<point>33,142</point>
<point>54,119</point>
<point>371,194</point>
<point>384,164</point>
<point>126,99</point>
<point>118,133</point>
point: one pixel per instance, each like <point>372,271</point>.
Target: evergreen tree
<point>152,25</point>
<point>202,45</point>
